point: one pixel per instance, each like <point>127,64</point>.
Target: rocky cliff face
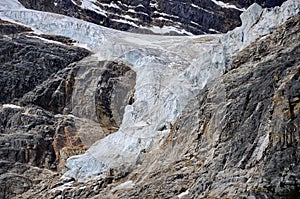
<point>37,81</point>
<point>160,17</point>
<point>169,122</point>
<point>238,138</point>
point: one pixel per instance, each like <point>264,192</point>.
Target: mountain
<point>92,112</point>
<point>170,17</point>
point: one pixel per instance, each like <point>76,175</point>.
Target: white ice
<point>12,106</point>
<point>10,4</point>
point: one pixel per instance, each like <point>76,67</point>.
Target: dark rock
<point>13,185</point>
<point>32,137</point>
<point>27,136</point>
<point>114,91</point>
<point>7,28</point>
<point>59,38</point>
<point>26,62</point>
<point>263,3</point>
<point>55,93</point>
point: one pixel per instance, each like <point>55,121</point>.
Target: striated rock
<point>33,62</point>
<point>264,3</point>
<point>37,138</point>
<point>20,177</point>
<point>55,93</point>
<point>7,28</point>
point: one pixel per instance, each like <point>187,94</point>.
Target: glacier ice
<point>10,4</point>
<point>170,71</point>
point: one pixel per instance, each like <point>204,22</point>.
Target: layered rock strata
<point>160,17</point>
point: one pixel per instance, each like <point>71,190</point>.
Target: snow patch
<point>13,106</point>
<point>165,14</point>
<point>227,5</point>
<point>213,30</point>
<point>90,5</point>
<point>125,185</point>
<point>125,21</point>
<point>167,30</point>
<point>112,5</point>
<point>183,194</point>
<point>205,10</point>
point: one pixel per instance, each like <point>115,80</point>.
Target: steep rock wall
<point>239,137</point>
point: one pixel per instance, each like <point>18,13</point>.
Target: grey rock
<point>26,62</point>
<point>55,93</point>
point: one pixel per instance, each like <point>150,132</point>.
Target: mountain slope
<point>155,105</point>
<point>240,136</point>
<point>161,17</point>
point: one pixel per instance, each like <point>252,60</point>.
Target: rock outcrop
<point>114,91</point>
<point>27,61</point>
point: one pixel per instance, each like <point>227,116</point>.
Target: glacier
<point>170,71</point>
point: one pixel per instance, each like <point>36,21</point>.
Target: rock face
<point>40,76</point>
<point>246,3</point>
<point>239,138</point>
<point>235,138</point>
<point>26,62</point>
<point>11,28</point>
<point>28,133</point>
<point>165,17</point>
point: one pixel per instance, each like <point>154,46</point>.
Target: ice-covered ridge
<point>227,5</point>
<point>170,71</point>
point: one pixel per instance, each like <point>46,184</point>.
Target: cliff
<point>146,116</point>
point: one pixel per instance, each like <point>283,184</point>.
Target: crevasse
<point>170,71</point>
